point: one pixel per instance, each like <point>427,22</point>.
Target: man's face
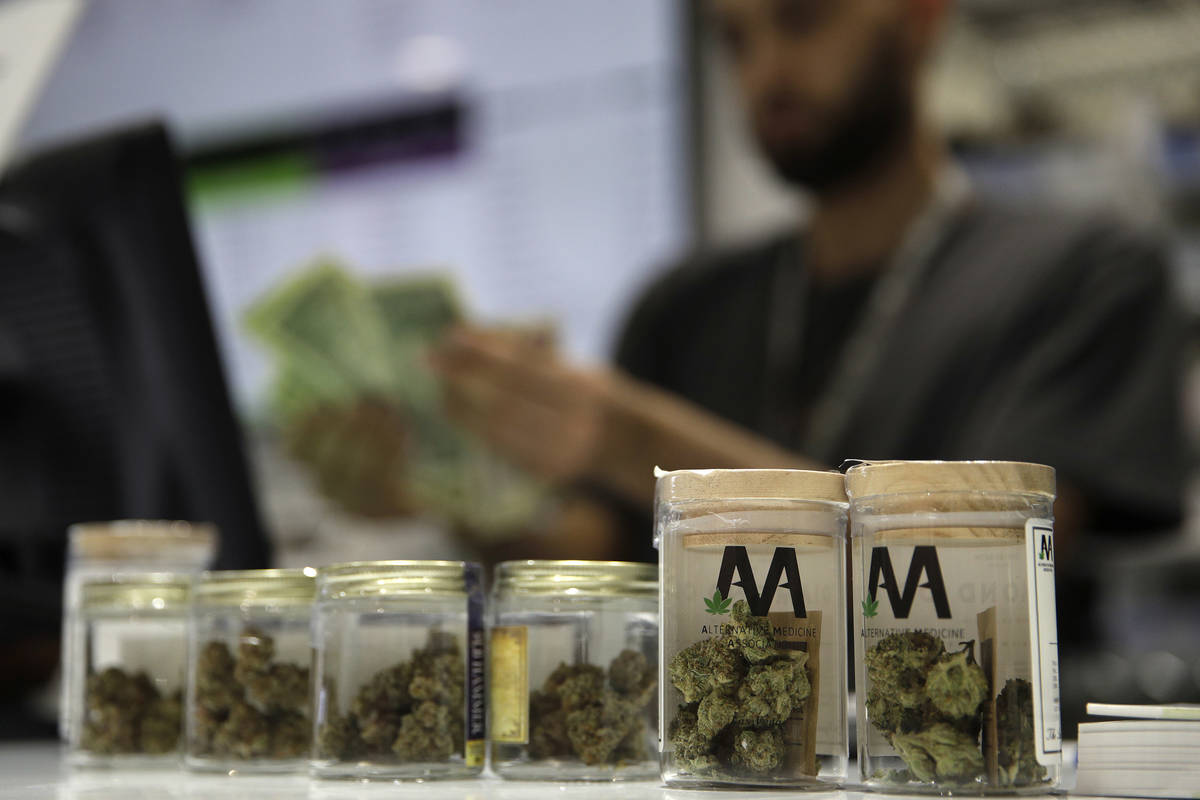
<point>828,85</point>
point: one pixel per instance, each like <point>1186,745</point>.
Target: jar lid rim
<point>576,577</point>
<point>873,478</point>
<point>751,484</point>
<point>372,578</point>
<point>156,591</point>
<point>256,586</point>
<point>351,567</point>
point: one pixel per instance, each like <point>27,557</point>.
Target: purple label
<point>476,698</point>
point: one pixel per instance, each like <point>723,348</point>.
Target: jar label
<point>1043,634</point>
<point>950,650</point>
<point>800,729</point>
<point>510,684</point>
<point>476,664</point>
<point>773,599</point>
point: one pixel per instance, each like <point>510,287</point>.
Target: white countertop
<point>36,771</point>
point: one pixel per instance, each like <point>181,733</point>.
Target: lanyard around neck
<point>863,349</point>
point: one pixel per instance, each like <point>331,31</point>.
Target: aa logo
<point>924,564</point>
<point>783,566</point>
<point>1046,547</point>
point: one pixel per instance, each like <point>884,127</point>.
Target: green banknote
<point>340,346</point>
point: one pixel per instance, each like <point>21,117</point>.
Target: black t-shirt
<point>1030,336</point>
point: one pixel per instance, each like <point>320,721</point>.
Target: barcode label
<point>1043,640</point>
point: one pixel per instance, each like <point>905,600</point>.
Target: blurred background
<point>362,174</point>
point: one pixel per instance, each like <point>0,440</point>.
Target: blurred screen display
<point>533,151</point>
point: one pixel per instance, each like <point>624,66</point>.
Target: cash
<point>350,364</point>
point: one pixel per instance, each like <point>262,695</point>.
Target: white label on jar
<point>1043,635</point>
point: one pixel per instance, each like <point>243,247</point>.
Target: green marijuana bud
<point>1016,755</point>
<point>956,685</point>
<point>548,734</point>
<point>126,714</point>
<point>255,651</point>
<point>249,706</point>
<point>244,734</point>
<point>709,665</point>
<point>752,634</point>
<point>897,666</point>
<point>715,711</point>
<point>630,673</point>
<point>685,734</point>
<point>738,689</point>
<point>583,689</point>
<point>380,704</point>
<point>940,752</point>
<point>757,751</point>
<point>929,704</point>
<point>427,734</point>
<point>161,724</point>
<point>414,710</point>
<point>338,736</point>
<point>770,692</point>
<point>599,719</point>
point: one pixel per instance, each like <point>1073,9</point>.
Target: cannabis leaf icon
<point>870,606</point>
<point>718,604</point>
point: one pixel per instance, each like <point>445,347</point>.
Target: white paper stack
<point>1154,751</point>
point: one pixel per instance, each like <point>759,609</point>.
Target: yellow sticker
<point>510,684</point>
<point>475,752</point>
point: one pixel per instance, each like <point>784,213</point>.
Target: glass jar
<point>399,670</point>
<point>574,654</point>
<point>956,663</point>
<point>126,683</point>
<point>249,653</point>
<point>753,663</point>
<point>112,549</point>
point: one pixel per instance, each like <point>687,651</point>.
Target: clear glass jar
<point>126,683</point>
<point>753,657</point>
<point>574,672</point>
<point>249,654</point>
<point>113,549</point>
<point>956,662</point>
<point>399,670</point>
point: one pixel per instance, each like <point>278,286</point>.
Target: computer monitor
<point>113,402</point>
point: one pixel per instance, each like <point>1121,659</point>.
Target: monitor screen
<point>535,152</point>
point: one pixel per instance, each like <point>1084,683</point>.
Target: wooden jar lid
<point>872,479</point>
<point>711,485</point>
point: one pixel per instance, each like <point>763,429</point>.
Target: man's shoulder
<point>1046,245</point>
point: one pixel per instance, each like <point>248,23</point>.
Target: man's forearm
<point>649,427</point>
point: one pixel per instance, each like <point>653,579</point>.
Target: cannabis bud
<point>126,714</point>
<point>249,706</point>
<point>929,704</point>
<point>600,719</point>
<point>739,688</point>
<point>413,710</point>
<point>1016,756</point>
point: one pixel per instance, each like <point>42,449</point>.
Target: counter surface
<point>37,771</point>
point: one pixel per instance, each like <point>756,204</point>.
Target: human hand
<point>512,390</point>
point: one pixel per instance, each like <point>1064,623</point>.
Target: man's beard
<point>870,127</point>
